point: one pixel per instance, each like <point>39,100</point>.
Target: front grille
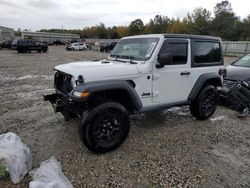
<point>63,82</point>
<point>229,83</point>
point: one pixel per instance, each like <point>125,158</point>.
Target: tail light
<point>223,72</point>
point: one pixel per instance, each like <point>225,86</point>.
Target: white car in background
<point>77,46</point>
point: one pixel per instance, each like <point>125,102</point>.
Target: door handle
<point>185,73</point>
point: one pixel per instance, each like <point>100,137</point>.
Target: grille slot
<point>63,82</point>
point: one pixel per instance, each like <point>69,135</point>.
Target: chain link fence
<point>236,48</point>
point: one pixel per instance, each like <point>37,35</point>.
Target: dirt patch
<point>167,148</point>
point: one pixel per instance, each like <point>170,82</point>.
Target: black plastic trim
<point>191,36</point>
<point>164,106</point>
<point>200,83</point>
<point>98,86</point>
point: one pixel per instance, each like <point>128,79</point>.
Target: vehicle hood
<point>238,73</point>
<point>99,70</point>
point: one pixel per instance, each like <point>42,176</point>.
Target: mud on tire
<point>105,127</point>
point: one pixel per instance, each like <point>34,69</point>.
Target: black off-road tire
<point>105,127</point>
<point>205,104</point>
<point>45,50</point>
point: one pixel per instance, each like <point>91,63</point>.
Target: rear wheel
<point>105,127</point>
<point>205,104</point>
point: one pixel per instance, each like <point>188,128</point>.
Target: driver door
<point>171,83</point>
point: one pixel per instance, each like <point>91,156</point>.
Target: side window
<point>178,51</point>
<point>206,52</point>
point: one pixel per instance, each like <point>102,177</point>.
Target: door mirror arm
<point>164,59</point>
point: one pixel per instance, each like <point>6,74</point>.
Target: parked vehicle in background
<point>238,71</point>
<point>58,42</point>
<point>76,46</point>
<point>107,47</point>
<point>143,73</point>
<point>24,46</point>
<point>6,44</point>
<point>236,83</point>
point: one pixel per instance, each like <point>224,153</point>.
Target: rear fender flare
<point>212,78</point>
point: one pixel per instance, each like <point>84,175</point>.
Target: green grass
<point>2,169</point>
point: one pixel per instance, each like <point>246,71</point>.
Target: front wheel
<point>205,104</point>
<point>105,127</point>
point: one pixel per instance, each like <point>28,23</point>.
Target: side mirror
<point>164,59</point>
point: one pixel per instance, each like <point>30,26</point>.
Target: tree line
<point>225,24</point>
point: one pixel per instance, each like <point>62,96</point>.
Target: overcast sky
<point>38,14</point>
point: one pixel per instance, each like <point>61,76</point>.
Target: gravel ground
<point>168,148</point>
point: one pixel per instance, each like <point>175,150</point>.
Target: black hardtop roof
<point>191,36</point>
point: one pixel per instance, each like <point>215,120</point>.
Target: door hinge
<point>156,76</point>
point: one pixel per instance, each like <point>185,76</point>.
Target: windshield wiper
<point>126,57</point>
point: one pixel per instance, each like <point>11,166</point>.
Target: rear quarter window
<point>206,53</point>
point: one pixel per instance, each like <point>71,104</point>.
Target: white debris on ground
<point>220,118</point>
<point>15,155</point>
<point>178,110</point>
<point>49,175</point>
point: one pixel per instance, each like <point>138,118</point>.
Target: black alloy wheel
<point>209,102</point>
<point>108,128</point>
<point>205,104</point>
<point>105,127</point>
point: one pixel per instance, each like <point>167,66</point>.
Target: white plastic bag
<point>15,155</point>
<point>49,175</point>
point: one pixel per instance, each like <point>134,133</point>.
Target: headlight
<point>73,81</point>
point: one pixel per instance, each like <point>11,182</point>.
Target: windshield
<point>243,62</point>
<point>135,48</point>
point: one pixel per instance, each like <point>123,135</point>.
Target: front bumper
<point>68,105</point>
<point>58,104</point>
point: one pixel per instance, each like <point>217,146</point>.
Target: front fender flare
<point>98,86</point>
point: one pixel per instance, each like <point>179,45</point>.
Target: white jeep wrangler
<point>142,73</point>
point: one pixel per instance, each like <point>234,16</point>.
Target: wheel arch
<point>204,80</point>
<point>121,91</point>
